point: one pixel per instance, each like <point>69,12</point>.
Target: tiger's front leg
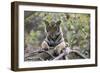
<point>58,49</point>
<point>44,45</point>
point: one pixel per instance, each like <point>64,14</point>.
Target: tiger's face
<point>52,27</point>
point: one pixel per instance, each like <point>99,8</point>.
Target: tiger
<point>54,37</point>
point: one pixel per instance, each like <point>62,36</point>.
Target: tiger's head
<point>52,27</point>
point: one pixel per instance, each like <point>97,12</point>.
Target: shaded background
<point>75,27</point>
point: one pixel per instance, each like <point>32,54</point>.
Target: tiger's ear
<point>46,22</point>
<point>58,22</point>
